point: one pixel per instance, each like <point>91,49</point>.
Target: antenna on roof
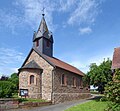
<point>43,14</point>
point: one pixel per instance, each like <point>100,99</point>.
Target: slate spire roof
<point>116,58</point>
<point>43,26</point>
<point>43,31</point>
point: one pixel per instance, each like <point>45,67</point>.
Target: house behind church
<point>116,60</point>
<point>46,77</point>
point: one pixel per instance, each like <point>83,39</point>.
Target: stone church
<point>46,77</point>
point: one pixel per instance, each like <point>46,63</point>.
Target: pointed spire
<point>43,26</point>
<point>42,30</point>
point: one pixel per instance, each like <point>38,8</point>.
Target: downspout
<point>52,94</point>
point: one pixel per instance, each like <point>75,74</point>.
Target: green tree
<point>100,75</point>
<point>112,92</point>
<point>6,89</point>
<point>8,86</point>
<point>15,80</point>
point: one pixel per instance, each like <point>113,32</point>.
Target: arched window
<point>63,79</point>
<point>74,81</point>
<point>32,79</point>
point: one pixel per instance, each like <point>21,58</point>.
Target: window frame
<point>74,82</point>
<point>32,80</point>
<point>63,80</point>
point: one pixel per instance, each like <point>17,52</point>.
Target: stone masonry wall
<point>34,90</point>
<point>46,76</point>
<point>62,93</point>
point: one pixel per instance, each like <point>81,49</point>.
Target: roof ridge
<point>67,63</point>
<point>47,58</point>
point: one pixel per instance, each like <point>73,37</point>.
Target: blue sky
<point>84,31</point>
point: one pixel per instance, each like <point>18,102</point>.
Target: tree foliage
<point>14,79</point>
<point>112,92</point>
<point>8,86</point>
<point>6,89</point>
<point>100,74</point>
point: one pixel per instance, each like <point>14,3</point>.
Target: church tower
<point>43,39</point>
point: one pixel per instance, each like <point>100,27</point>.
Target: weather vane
<point>43,11</point>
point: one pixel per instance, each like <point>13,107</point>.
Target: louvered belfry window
<point>37,43</point>
<point>48,43</point>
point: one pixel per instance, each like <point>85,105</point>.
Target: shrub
<point>6,89</point>
<point>112,92</point>
<point>113,107</point>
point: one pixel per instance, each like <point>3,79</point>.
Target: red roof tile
<point>56,62</point>
<point>116,58</point>
<point>65,66</point>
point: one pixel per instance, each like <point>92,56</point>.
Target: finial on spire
<point>43,14</point>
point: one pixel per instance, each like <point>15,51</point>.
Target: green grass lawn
<point>94,105</point>
<point>15,95</point>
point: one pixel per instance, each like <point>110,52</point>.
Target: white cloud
<point>28,12</point>
<point>85,12</point>
<point>9,60</point>
<point>10,56</point>
<point>7,71</point>
<point>32,12</point>
<point>9,20</point>
<point>66,5</point>
<point>85,30</point>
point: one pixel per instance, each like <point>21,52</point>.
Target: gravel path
<point>57,107</point>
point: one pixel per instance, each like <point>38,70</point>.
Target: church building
<point>46,77</point>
